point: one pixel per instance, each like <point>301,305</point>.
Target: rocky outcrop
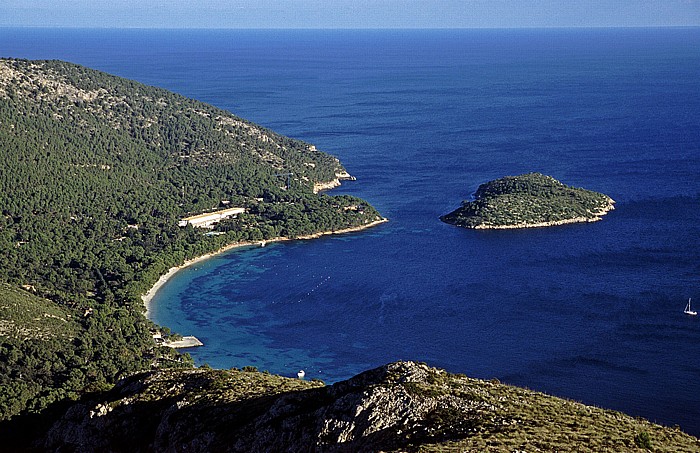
<point>332,184</point>
<point>186,342</point>
<point>402,406</point>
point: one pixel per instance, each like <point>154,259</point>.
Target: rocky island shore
<point>531,200</point>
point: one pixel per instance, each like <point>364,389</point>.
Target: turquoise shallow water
<point>591,312</point>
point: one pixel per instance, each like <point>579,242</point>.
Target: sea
<point>590,312</point>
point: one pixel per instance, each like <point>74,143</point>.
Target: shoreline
<point>150,294</point>
<point>597,216</point>
<point>519,226</point>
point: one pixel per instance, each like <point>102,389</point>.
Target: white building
<point>207,220</point>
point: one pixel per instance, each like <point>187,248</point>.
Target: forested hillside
<point>96,172</point>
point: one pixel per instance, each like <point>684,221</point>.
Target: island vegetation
<point>98,173</point>
<point>526,201</point>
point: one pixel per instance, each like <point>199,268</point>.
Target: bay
<point>591,312</point>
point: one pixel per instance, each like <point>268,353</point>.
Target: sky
<point>348,13</point>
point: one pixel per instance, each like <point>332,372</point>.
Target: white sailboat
<point>688,310</point>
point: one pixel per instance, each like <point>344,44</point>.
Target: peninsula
<point>107,184</point>
<point>528,201</point>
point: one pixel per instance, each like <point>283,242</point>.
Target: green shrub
<point>643,440</point>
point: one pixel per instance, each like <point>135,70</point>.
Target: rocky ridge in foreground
<point>403,406</point>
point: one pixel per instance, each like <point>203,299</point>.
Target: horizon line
<point>550,27</point>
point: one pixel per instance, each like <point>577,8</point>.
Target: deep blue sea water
<point>591,312</point>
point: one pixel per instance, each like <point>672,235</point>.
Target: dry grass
<point>524,420</point>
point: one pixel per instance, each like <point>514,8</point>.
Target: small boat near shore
<point>688,310</point>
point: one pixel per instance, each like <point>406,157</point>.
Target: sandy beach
<point>148,297</point>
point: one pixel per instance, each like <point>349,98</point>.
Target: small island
<point>528,201</point>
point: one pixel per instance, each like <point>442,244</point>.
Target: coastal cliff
<point>531,200</point>
<point>333,183</point>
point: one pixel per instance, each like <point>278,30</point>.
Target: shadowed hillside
<point>402,406</point>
